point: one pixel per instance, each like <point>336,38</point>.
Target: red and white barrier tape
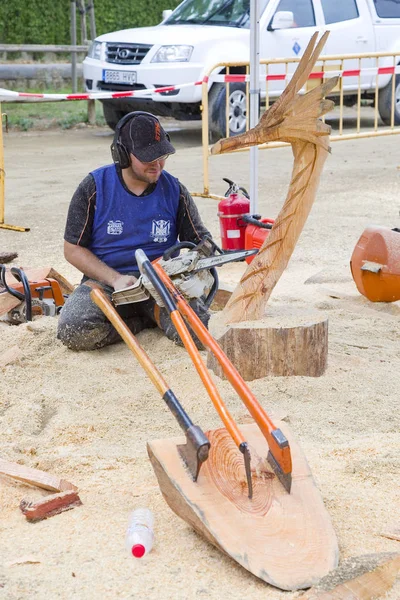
<point>232,78</point>
<point>11,96</point>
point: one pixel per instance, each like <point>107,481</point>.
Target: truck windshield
<point>228,13</point>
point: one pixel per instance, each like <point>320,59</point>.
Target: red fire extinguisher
<point>230,212</point>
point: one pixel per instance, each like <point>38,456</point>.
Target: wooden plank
<point>50,505</point>
<point>222,296</point>
<point>35,477</point>
<point>285,539</point>
<point>373,576</point>
<point>7,303</point>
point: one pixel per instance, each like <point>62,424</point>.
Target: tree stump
<point>286,341</point>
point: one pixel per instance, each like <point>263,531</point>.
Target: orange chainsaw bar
<point>282,455</point>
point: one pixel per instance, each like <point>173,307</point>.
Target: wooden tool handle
<point>205,376</point>
<point>101,300</point>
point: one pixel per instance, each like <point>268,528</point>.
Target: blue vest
<point>124,222</point>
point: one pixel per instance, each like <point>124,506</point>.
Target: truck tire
<point>112,115</point>
<point>217,107</point>
<point>385,102</point>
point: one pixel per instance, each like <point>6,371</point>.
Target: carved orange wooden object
<point>375,264</point>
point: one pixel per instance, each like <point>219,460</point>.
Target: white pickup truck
<point>197,35</point>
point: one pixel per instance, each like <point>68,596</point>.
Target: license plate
<point>127,77</point>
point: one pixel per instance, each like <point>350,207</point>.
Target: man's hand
<point>84,260</point>
<point>123,281</point>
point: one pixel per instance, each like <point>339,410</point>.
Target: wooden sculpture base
<point>285,539</point>
<point>285,342</point>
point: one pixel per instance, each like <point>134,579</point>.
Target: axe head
<point>195,451</point>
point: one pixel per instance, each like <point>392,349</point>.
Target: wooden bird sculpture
<point>293,118</point>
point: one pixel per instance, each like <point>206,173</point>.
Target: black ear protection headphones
<point>120,154</point>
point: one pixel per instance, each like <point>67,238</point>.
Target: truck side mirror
<point>283,19</point>
<point>166,14</point>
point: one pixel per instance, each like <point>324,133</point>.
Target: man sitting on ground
<point>115,210</point>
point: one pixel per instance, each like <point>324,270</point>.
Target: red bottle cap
<point>138,550</point>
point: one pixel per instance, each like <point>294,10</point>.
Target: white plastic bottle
<point>140,534</point>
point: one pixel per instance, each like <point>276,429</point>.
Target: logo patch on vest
<point>160,230</point>
<point>115,227</point>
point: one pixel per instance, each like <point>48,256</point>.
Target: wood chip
<point>50,505</point>
<point>35,477</point>
<point>10,356</point>
<point>392,532</point>
<point>6,257</point>
<point>24,560</point>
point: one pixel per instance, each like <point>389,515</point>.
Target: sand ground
<point>87,416</point>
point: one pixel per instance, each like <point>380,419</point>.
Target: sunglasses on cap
<point>164,157</point>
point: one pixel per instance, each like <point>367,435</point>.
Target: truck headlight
<point>95,50</point>
<point>173,54</point>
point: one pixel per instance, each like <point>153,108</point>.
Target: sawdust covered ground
<point>87,416</point>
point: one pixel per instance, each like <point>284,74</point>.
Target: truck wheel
<point>112,115</point>
<point>237,110</point>
<point>385,102</point>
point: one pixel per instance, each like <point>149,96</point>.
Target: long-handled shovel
<point>197,446</point>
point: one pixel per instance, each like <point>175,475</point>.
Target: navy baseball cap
<point>144,137</point>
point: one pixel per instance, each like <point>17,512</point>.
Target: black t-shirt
<point>81,214</point>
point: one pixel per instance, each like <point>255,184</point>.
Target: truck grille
<point>119,87</point>
<point>126,54</point>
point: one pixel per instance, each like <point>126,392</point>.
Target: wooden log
<point>35,477</point>
<point>359,578</point>
<point>285,342</point>
<point>50,505</point>
<point>284,539</point>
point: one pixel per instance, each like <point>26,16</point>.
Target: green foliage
<point>23,124</point>
<point>48,21</point>
<point>49,115</point>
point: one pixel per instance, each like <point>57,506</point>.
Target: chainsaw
<point>193,273</point>
<point>37,298</point>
